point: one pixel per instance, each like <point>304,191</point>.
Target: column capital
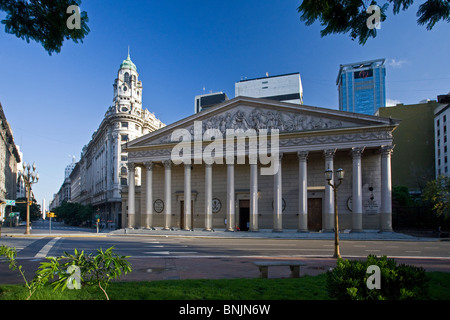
<point>357,152</point>
<point>167,164</point>
<point>329,153</point>
<point>149,165</point>
<point>188,166</point>
<point>131,166</point>
<point>303,155</point>
<point>387,150</point>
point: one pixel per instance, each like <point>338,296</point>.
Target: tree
<point>44,21</point>
<point>21,206</point>
<point>438,193</point>
<point>354,16</point>
<point>74,213</point>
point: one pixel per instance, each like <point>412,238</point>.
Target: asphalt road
<point>157,258</point>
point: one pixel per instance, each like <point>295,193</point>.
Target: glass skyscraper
<point>361,86</point>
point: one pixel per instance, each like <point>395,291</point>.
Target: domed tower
<point>127,88</point>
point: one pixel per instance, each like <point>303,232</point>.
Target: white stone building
<point>218,186</point>
<point>98,177</point>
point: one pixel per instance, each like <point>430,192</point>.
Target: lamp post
<point>328,177</point>
<point>29,177</point>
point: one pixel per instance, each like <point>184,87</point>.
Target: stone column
<point>208,197</point>
<point>230,198</point>
<point>357,207</point>
<point>278,199</point>
<point>131,195</point>
<point>149,195</point>
<point>386,189</point>
<point>168,194</point>
<point>187,197</point>
<point>254,197</point>
<point>302,191</point>
<point>329,193</point>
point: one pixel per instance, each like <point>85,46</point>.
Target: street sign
<point>51,215</point>
<point>10,202</point>
<point>14,214</point>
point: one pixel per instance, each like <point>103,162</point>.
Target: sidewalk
<point>269,234</point>
<point>218,233</point>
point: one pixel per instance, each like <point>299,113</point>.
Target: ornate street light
<point>29,177</point>
<point>340,176</point>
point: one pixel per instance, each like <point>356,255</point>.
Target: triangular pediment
<point>251,113</point>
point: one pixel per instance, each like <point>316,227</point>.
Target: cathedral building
<point>99,176</point>
<point>254,164</point>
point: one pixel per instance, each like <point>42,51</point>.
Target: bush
<point>349,280</point>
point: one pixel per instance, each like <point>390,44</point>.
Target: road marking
<point>413,251</point>
<point>372,250</point>
<point>45,249</point>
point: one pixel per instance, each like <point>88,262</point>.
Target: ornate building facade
<point>213,179</point>
<point>9,159</point>
<point>99,176</point>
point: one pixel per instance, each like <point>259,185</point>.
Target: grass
<point>305,288</point>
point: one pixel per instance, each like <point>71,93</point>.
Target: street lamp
<point>328,176</point>
<point>29,177</point>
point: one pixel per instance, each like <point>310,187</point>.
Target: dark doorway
<point>314,214</point>
<point>183,218</point>
<point>244,215</point>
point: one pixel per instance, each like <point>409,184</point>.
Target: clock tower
<point>127,89</point>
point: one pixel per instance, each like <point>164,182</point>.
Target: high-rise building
<point>361,86</point>
<point>284,88</point>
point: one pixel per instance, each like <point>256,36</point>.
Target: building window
<point>123,182</point>
<point>124,158</point>
<point>127,77</point>
<point>124,137</point>
<point>124,124</point>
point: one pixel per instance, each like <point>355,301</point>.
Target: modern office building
<point>441,131</point>
<point>413,162</point>
<point>205,101</point>
<point>361,86</point>
<point>283,88</point>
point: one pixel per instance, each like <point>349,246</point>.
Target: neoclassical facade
<point>101,173</point>
<point>267,173</point>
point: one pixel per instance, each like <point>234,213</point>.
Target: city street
<point>157,257</point>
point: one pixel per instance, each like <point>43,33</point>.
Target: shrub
<point>348,280</point>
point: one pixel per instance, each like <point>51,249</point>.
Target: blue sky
<point>55,103</point>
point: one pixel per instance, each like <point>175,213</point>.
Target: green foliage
<point>44,21</point>
<point>35,209</point>
<point>401,196</point>
<point>10,254</point>
<point>350,16</point>
<point>437,192</point>
<point>74,213</point>
<point>95,270</point>
<point>398,282</point>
